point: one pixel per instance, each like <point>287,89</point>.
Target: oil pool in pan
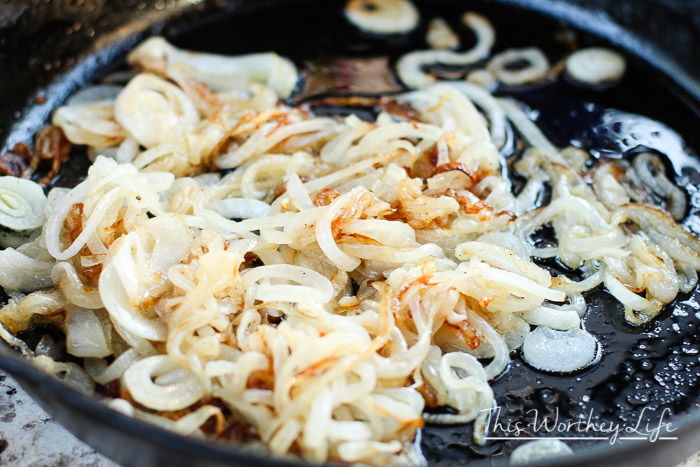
<point>642,370</point>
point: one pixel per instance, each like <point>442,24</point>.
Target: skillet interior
<point>654,366</point>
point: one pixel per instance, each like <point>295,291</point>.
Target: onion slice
<point>440,35</point>
<point>536,69</point>
<point>21,204</point>
<point>410,66</point>
<point>382,16</point>
<point>180,390</point>
<point>559,351</point>
<point>157,55</point>
<point>595,66</point>
<point>542,449</point>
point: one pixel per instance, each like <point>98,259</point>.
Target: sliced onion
<point>118,282</point>
<point>386,232</point>
<point>191,422</point>
<point>153,110</point>
<point>440,35</point>
<point>21,204</point>
<point>85,335</point>
<point>537,67</point>
<point>627,297</point>
<point>70,373</point>
<point>115,370</point>
<point>553,318</point>
<point>21,273</point>
<point>669,236</point>
<point>482,78</point>
<point>171,241</point>
<point>500,349</point>
<point>241,208</point>
<point>540,450</point>
<point>66,278</point>
<point>468,394</point>
<point>180,393</point>
<point>314,285</point>
<point>90,124</point>
<point>410,66</point>
<point>516,334</point>
<point>382,16</point>
<point>490,106</point>
<point>528,129</point>
<point>324,234</point>
<point>659,183</point>
<point>13,341</point>
<point>54,224</point>
<point>688,277</point>
<point>269,135</point>
<point>559,351</point>
<point>298,194</point>
<point>218,71</point>
<point>507,240</point>
<point>595,65</point>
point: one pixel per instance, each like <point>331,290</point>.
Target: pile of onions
<point>343,274</point>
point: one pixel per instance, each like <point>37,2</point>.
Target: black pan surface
<point>648,374</point>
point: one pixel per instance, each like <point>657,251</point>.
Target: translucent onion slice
<point>191,422</point>
<point>391,233</point>
<point>595,65</point>
<point>103,373</point>
<point>66,279</point>
<point>559,351</point>
<point>314,285</point>
<point>536,69</point>
<point>324,234</point>
<point>528,128</point>
<point>440,35</point>
<point>298,194</point>
<point>90,124</point>
<point>21,204</point>
<point>467,394</point>
<point>553,317</point>
<point>19,272</point>
<point>70,373</point>
<point>482,78</point>
<point>241,208</point>
<point>516,335</point>
<point>539,450</point>
<point>659,183</point>
<point>410,66</point>
<point>489,105</point>
<point>507,240</point>
<point>501,357</point>
<point>115,293</point>
<point>629,298</point>
<point>218,71</point>
<point>382,16</point>
<point>85,336</point>
<point>180,390</point>
<point>153,110</point>
<point>669,236</point>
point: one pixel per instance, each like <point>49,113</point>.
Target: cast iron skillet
<point>49,49</point>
